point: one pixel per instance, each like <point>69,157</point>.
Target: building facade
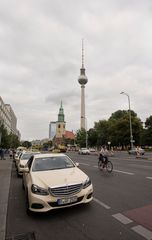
<point>52,130</point>
<point>8,118</point>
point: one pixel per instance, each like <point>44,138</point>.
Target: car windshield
<point>52,163</point>
<point>26,156</point>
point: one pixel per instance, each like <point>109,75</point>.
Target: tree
<point>120,128</point>
<point>81,137</point>
<point>4,136</point>
<point>148,131</point>
<point>47,145</point>
<point>13,140</point>
<point>92,137</point>
<point>27,144</point>
<point>102,131</point>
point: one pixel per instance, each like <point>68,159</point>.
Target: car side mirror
<point>77,164</point>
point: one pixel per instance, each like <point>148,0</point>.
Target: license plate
<point>66,200</point>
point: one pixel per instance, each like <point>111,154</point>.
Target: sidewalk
<point>5,177</point>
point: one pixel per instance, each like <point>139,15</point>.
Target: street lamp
<point>86,131</point>
<point>131,136</point>
<point>0,137</point>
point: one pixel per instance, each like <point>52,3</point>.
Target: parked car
<point>17,156</point>
<point>23,161</point>
<point>53,181</point>
<point>84,151</point>
<point>136,151</point>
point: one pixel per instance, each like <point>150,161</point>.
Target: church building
<point>62,135</point>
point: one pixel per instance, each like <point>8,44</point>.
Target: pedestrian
<point>10,153</point>
<point>2,154</point>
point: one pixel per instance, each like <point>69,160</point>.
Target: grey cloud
<point>41,58</point>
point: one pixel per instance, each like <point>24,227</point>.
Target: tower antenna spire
<point>82,53</point>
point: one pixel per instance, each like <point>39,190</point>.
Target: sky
<point>40,60</point>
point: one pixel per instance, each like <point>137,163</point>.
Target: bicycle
<point>108,166</point>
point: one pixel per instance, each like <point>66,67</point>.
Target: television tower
<point>82,81</point>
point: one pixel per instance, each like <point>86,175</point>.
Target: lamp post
<point>86,139</point>
<point>131,136</point>
<point>86,133</point>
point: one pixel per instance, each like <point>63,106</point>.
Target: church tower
<point>60,124</point>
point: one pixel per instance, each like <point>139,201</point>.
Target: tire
<point>100,165</point>
<point>109,166</point>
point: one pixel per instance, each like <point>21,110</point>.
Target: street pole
<point>130,123</point>
<point>86,133</point>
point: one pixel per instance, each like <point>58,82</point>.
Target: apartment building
<point>8,118</point>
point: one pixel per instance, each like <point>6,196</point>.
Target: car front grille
<point>65,190</point>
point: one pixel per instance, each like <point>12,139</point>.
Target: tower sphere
<point>82,79</point>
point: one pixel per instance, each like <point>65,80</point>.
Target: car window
<point>52,163</point>
<point>26,156</point>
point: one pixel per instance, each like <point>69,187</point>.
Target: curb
<point>5,179</point>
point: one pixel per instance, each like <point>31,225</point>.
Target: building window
<point>59,126</point>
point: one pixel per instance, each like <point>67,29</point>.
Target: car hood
<point>60,177</point>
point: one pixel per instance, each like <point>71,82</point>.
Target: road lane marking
<point>86,164</point>
<point>121,218</point>
<point>119,171</point>
<point>143,232</point>
<point>149,178</point>
<point>101,203</point>
<point>123,172</point>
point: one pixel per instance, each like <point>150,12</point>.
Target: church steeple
<point>61,114</point>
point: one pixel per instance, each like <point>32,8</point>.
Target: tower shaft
<point>82,119</point>
<point>82,81</point>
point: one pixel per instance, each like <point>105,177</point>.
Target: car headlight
<point>87,183</point>
<point>38,190</point>
<point>21,166</point>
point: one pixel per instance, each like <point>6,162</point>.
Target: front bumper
<point>38,203</point>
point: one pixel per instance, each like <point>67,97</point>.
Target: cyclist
<point>103,155</point>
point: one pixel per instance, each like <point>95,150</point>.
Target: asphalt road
<point>121,209</point>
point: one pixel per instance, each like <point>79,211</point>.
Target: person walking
<point>10,153</point>
<point>2,154</point>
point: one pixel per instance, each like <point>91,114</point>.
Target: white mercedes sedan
<point>54,181</point>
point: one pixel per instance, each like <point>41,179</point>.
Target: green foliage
<point>81,137</point>
<point>8,140</point>
<point>13,140</point>
<point>26,144</point>
<point>47,145</point>
<point>147,139</point>
<point>102,131</point>
<point>120,128</point>
<point>117,131</point>
<point>92,137</point>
